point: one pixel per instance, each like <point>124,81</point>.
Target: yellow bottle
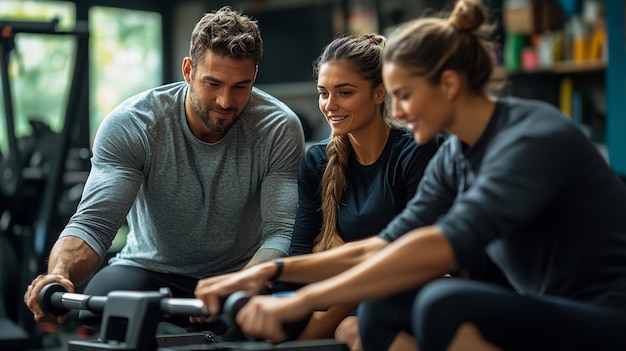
<point>565,99</point>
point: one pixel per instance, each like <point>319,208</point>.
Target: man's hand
<point>31,297</point>
<point>71,261</point>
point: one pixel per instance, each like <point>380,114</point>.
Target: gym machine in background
<point>41,179</point>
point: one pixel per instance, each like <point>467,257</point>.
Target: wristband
<point>279,270</point>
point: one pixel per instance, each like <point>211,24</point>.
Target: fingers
<point>269,317</point>
<point>210,299</point>
<point>256,321</point>
<point>210,290</point>
<point>31,296</point>
<point>211,319</point>
<point>204,290</point>
<point>207,282</point>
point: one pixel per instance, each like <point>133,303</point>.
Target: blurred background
<point>66,64</point>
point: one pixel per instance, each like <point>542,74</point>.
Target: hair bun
<point>467,16</point>
<point>375,39</point>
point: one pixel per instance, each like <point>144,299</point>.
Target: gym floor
<point>55,337</point>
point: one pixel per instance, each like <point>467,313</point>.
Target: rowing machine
<point>130,319</point>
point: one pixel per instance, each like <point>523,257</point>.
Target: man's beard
<point>203,113</point>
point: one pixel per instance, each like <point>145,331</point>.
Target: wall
<point>185,16</point>
<point>616,85</point>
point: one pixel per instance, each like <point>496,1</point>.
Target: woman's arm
<point>297,269</point>
<point>416,258</point>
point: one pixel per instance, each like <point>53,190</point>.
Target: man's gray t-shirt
<point>194,208</point>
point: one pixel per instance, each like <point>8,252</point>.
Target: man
<point>203,171</point>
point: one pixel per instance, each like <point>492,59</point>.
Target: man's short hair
<point>228,33</point>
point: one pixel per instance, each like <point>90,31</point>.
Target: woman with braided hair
<point>354,183</point>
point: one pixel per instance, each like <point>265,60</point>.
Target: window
<point>39,67</point>
<point>125,58</point>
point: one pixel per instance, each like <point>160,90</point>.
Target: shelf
<point>577,67</point>
<point>565,67</point>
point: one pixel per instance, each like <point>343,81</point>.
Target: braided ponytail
<point>333,187</point>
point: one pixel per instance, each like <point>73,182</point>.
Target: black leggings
<point>381,320</point>
<point>115,277</point>
<point>512,321</point>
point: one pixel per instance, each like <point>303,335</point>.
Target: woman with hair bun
<point>516,180</point>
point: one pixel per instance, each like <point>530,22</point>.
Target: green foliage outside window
<point>40,67</point>
<point>125,58</point>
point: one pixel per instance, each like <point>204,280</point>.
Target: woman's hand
<point>251,280</point>
<point>264,316</point>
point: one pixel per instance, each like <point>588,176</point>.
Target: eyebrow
<point>396,91</point>
<point>342,85</point>
<point>215,80</point>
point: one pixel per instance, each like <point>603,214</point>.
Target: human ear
<point>450,83</point>
<point>187,69</point>
<point>380,93</point>
<point>256,71</point>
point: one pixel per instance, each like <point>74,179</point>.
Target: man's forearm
<point>72,258</point>
<point>264,255</point>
